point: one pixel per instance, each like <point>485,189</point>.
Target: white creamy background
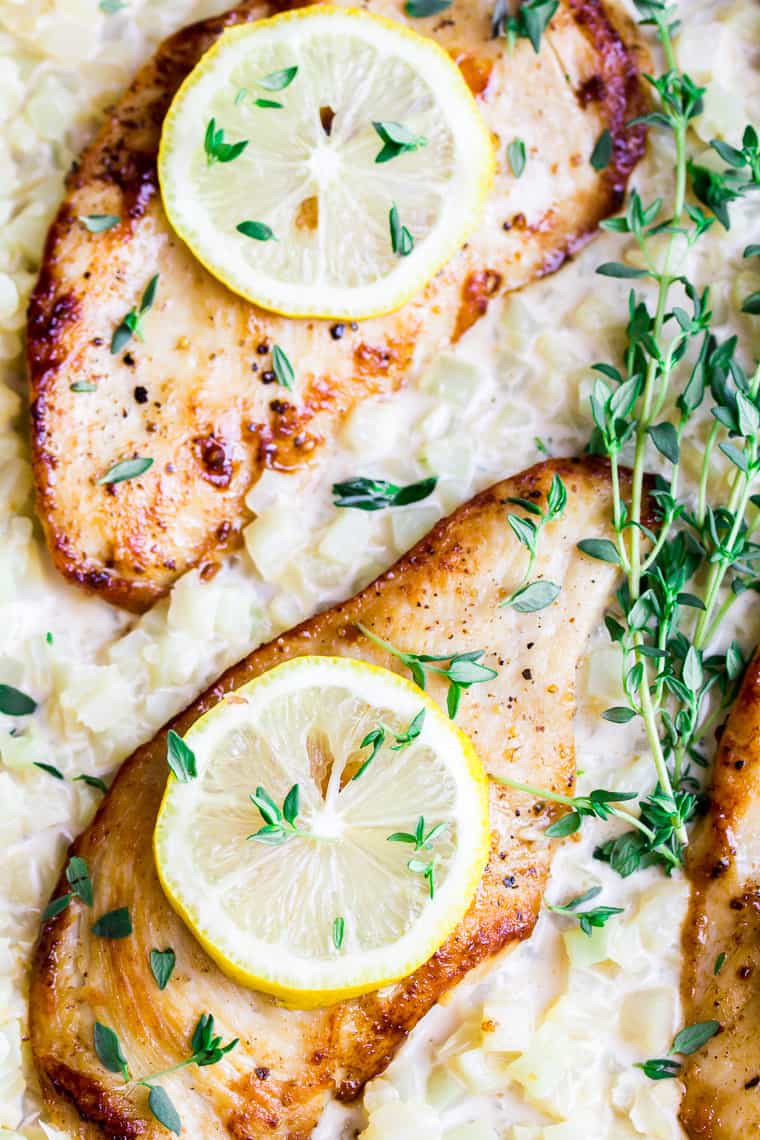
<point>542,1047</point>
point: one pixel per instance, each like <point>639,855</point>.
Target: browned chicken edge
<point>616,88</point>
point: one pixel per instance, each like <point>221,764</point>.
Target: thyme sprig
<point>530,596</point>
<point>588,920</point>
<point>423,841</point>
<point>376,737</point>
<point>462,671</point>
<point>685,560</point>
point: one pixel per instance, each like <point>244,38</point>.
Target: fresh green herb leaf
<point>270,104</point>
<point>402,241</point>
<point>618,269</point>
<point>216,149</point>
<point>600,548</point>
<point>50,769</point>
<point>283,369</point>
<point>109,1050</point>
<point>660,1068</point>
<point>620,714</point>
<point>259,231</point>
<point>589,920</point>
<point>113,924</point>
<point>278,80</point>
<point>534,596</point>
<point>463,669</point>
<point>751,304</point>
<point>693,1037</point>
<point>517,156</point>
<point>160,1104</point>
<point>56,906</point>
<point>132,324</point>
<point>338,931</point>
<point>420,9</point>
<point>180,758</point>
<point>110,7</point>
<point>125,470</point>
<point>374,739</point>
<point>83,386</point>
<point>396,139</point>
<point>99,223</point>
<point>93,782</point>
<point>366,494</point>
<point>720,962</point>
<point>78,876</point>
<point>162,963</point>
<point>602,152</point>
<point>279,822</point>
<point>15,703</point>
<point>421,841</point>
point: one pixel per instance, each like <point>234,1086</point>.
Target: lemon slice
<point>303,893</point>
<point>278,130</point>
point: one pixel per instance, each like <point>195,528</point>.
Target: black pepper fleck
<point>269,377</point>
<point>337,331</point>
<point>262,348</point>
<point>141,394</point>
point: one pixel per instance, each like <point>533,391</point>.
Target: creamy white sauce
<point>109,681</point>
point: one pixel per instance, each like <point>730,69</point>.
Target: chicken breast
<point>722,1100</point>
<point>197,396</point>
<point>442,597</point>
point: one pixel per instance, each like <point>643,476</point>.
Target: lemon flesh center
<point>341,863</point>
<point>323,194</point>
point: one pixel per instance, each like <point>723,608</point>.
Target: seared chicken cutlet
<point>198,396</point>
<point>722,938</point>
<point>441,597</point>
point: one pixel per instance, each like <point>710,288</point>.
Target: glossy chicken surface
<point>442,597</point>
<point>198,395</point>
<point>722,1100</point>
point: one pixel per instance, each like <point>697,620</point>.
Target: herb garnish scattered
<point>402,241</point>
<point>366,494</point>
<point>162,963</point>
<point>259,231</point>
<point>207,1050</point>
<point>602,152</point>
<point>78,878</point>
<point>279,822</point>
<point>15,703</point>
<point>282,367</point>
<point>93,782</point>
<point>529,596</point>
<point>396,139</point>
<point>51,769</point>
<point>132,324</point>
<point>376,737</point>
<point>83,386</point>
<point>109,1051</point>
<point>99,223</point>
<point>421,841</point>
<point>529,21</point>
<point>463,669</point>
<point>338,931</point>
<point>720,962</point>
<point>125,470</point>
<point>110,7</point>
<point>688,1041</point>
<point>684,563</point>
<point>278,80</point>
<point>517,157</point>
<point>419,9</point>
<point>114,924</point>
<point>588,920</point>
<point>180,758</point>
<point>216,149</point>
